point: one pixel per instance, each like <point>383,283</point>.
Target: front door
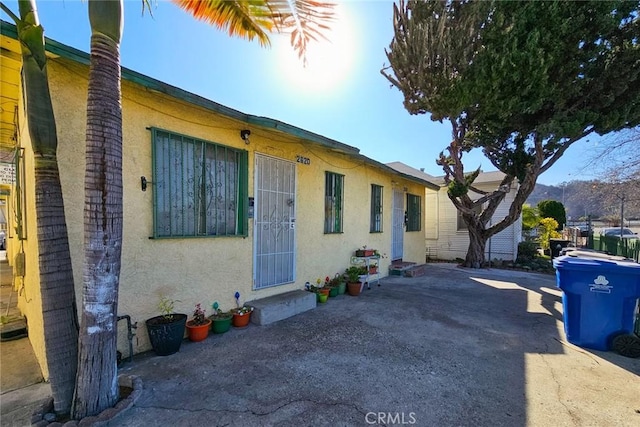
<point>397,232</point>
<point>274,222</point>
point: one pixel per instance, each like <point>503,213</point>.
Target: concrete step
<point>416,270</point>
<point>282,306</point>
<point>398,268</point>
<point>13,329</point>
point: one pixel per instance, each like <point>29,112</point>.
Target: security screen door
<point>274,222</point>
<point>397,230</point>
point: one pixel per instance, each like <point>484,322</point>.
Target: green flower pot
<point>342,288</point>
<point>333,292</point>
<point>322,298</point>
<point>221,325</point>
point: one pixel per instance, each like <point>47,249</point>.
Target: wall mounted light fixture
<point>144,182</point>
<point>244,134</point>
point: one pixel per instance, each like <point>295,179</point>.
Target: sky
<point>340,94</point>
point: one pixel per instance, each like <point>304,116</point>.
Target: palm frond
<point>305,20</point>
<point>245,19</point>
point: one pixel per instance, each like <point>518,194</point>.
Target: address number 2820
<point>303,160</point>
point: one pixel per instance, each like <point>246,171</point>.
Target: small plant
<point>166,307</point>
<point>242,310</point>
<point>353,274</point>
<point>337,279</point>
<point>218,313</point>
<point>199,317</point>
<point>378,254</point>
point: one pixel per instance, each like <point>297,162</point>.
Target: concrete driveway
<point>457,347</point>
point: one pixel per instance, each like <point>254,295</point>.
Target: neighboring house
<point>446,234</point>
<point>215,200</point>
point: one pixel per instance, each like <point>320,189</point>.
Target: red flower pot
<point>241,320</point>
<point>198,332</point>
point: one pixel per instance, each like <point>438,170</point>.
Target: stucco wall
<point>445,241</point>
<point>203,270</point>
<point>29,297</point>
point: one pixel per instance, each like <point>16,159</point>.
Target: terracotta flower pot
<point>324,291</point>
<point>240,320</point>
<point>198,332</point>
<point>354,288</point>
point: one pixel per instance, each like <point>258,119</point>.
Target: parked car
<point>3,239</point>
<point>627,233</point>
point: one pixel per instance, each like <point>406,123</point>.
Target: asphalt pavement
<point>457,347</point>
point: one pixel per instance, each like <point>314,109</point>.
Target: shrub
<point>527,251</point>
<point>548,226</point>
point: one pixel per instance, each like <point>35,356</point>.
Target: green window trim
<point>200,187</point>
<point>376,209</point>
<point>333,203</point>
<point>414,212</point>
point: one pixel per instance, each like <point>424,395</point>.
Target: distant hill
<point>595,198</point>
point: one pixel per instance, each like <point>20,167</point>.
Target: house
<point>446,235</point>
<point>216,201</point>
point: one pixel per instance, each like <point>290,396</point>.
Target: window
<point>376,209</point>
<point>333,202</point>
<point>414,212</point>
<point>461,224</point>
<point>200,187</point>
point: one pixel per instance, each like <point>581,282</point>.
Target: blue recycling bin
<point>599,297</point>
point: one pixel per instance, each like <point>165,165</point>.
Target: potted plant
<point>364,252</point>
<point>241,315</point>
<point>322,290</point>
<point>320,296</point>
<point>167,330</point>
<point>221,320</point>
<point>354,286</point>
<point>198,326</point>
<point>338,284</point>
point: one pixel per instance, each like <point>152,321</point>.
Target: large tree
<point>59,317</point>
<point>520,80</point>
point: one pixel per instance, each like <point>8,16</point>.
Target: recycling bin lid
<point>587,258</point>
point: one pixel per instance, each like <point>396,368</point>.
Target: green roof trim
<point>9,30</point>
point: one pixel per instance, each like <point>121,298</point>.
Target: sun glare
<point>329,61</point>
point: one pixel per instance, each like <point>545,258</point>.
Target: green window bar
<point>333,206</point>
<point>200,187</point>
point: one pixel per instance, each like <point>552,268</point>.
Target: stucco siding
<point>208,269</point>
<point>29,297</point>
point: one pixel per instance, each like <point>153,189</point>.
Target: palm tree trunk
<point>60,320</point>
<point>96,383</point>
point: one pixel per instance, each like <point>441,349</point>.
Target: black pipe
<point>130,333</point>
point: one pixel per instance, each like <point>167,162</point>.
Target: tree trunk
<point>60,322</point>
<point>96,384</point>
<point>477,244</point>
